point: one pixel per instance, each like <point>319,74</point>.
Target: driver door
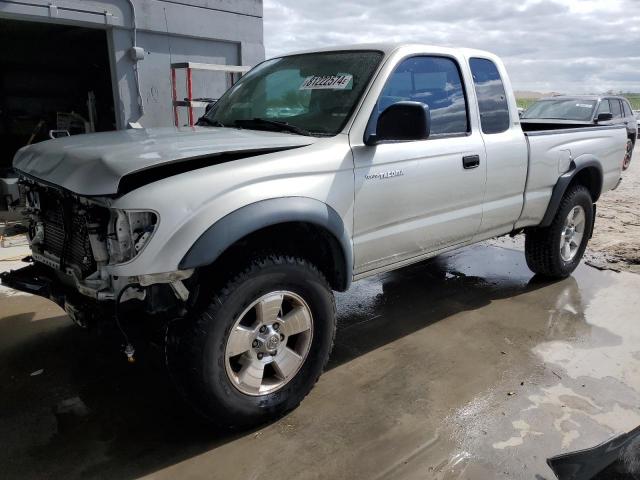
<point>417,197</point>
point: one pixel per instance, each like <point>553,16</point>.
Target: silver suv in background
<point>584,110</point>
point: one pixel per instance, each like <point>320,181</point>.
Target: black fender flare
<point>255,216</point>
<point>586,161</point>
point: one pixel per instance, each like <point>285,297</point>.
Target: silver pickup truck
<point>314,170</point>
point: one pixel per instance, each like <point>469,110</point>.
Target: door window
<point>627,109</point>
<point>492,99</point>
<point>603,107</point>
<point>435,81</point>
<point>616,109</point>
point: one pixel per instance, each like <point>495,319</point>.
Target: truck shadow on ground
<point>90,414</point>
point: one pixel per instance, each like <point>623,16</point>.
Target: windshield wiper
<point>278,125</point>
<point>202,121</point>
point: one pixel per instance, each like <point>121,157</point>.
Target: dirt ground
<point>616,239</point>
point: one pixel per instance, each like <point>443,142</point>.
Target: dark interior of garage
<point>54,80</point>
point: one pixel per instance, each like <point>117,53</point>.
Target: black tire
<point>542,244</point>
<point>196,345</point>
<point>628,154</point>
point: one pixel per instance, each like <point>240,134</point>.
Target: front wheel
<point>259,345</point>
<point>555,251</point>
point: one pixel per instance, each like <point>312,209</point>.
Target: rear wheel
<point>628,154</point>
<point>258,346</point>
<point>555,251</point>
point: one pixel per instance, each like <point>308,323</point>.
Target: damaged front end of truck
<point>73,240</point>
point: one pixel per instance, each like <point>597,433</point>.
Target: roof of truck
<point>390,47</point>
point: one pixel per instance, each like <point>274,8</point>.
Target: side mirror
<point>402,121</point>
<point>604,117</point>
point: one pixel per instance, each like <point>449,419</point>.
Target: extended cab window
<point>492,99</point>
<point>434,81</point>
<point>627,109</point>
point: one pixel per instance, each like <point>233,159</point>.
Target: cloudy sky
<point>547,45</point>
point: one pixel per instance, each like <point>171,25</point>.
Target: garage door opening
<point>55,80</point>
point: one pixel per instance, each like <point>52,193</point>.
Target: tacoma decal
<point>383,175</point>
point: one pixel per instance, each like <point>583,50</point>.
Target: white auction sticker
<point>583,105</point>
<point>326,82</point>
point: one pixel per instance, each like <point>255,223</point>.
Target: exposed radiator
<point>65,232</point>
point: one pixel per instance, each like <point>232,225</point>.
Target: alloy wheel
<point>269,343</point>
<point>572,233</point>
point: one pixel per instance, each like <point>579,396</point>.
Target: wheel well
<point>312,242</point>
<point>591,178</point>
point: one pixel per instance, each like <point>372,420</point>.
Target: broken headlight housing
<point>129,232</point>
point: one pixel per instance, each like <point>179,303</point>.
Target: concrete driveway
<point>465,366</point>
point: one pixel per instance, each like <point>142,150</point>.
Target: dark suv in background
<point>584,110</point>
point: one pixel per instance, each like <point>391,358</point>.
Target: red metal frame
<point>174,93</point>
<point>188,101</point>
<point>176,119</point>
<point>190,96</point>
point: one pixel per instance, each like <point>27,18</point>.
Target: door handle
<point>471,161</point>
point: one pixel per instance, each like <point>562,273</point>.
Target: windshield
<point>309,94</point>
<point>562,109</point>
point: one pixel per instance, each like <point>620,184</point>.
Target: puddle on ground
<point>586,389</point>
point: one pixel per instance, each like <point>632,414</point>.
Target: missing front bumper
<point>36,280</point>
<point>154,294</point>
<point>40,280</point>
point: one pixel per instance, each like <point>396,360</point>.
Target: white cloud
<point>560,45</point>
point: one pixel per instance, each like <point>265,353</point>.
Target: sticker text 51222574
<point>326,82</point>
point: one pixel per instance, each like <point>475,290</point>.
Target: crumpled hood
<point>94,164</point>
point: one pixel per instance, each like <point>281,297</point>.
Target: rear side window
<point>616,109</point>
<point>627,109</point>
<point>492,99</point>
<point>434,81</point>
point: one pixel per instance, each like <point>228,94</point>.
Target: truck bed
<point>555,151</point>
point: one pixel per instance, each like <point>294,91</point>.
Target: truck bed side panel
<point>551,154</point>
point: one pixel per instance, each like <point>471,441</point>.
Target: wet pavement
<point>465,366</point>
